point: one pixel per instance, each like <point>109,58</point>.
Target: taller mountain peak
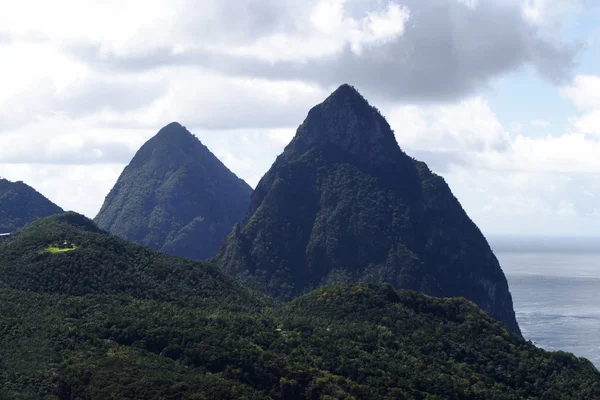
<point>175,196</point>
<point>347,121</point>
<point>343,203</point>
<point>347,94</point>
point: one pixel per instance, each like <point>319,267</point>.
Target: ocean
<point>556,296</point>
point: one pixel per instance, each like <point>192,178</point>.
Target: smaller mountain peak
<point>175,137</point>
<point>171,142</point>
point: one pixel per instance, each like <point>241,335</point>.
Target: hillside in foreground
<point>86,315</point>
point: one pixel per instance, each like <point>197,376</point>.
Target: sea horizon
<point>554,283</point>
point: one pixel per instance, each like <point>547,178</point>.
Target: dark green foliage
<point>105,264</point>
<point>175,196</point>
<point>193,334</point>
<point>431,348</point>
<point>343,203</point>
<point>20,204</point>
<point>102,347</point>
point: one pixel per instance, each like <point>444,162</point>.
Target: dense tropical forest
<point>86,315</point>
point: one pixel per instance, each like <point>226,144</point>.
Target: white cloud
<point>550,12</point>
<point>566,209</point>
<point>281,136</point>
<point>85,83</point>
<point>572,152</point>
<point>138,26</point>
<point>78,187</point>
<point>25,67</point>
<point>204,99</point>
<point>516,127</point>
<point>379,28</point>
<point>120,26</point>
<point>588,122</point>
<point>248,153</point>
<point>39,81</point>
<point>469,3</point>
<point>526,202</point>
<point>328,30</point>
<point>508,182</point>
<point>585,94</point>
<point>57,139</point>
<point>399,49</point>
<point>540,123</point>
<point>468,126</point>
<point>470,129</point>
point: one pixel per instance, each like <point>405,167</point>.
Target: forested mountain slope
<point>175,196</point>
<point>343,203</point>
<point>86,315</point>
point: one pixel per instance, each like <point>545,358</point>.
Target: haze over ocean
<point>555,284</point>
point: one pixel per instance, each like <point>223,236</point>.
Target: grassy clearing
<point>54,249</point>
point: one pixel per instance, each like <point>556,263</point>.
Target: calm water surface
<point>557,299</point>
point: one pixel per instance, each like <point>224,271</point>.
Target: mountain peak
<point>175,133</point>
<point>175,196</point>
<point>346,120</point>
<point>173,144</point>
<point>348,95</point>
<point>343,203</point>
<point>172,128</point>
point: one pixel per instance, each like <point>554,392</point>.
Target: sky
<point>500,97</point>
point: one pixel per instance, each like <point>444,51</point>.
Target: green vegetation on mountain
<point>343,203</point>
<point>20,204</point>
<point>60,249</point>
<point>175,196</point>
<point>111,319</point>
